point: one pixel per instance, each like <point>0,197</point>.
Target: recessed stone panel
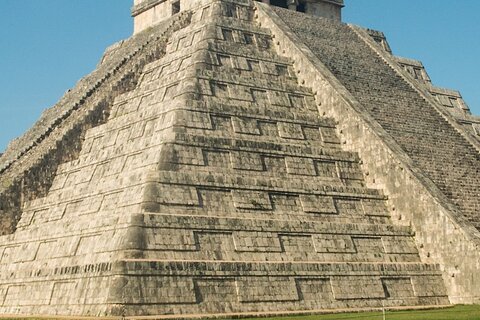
<point>333,243</point>
<point>171,240</point>
<point>245,125</point>
<point>374,207</point>
<point>397,288</point>
<point>399,245</point>
<point>177,195</point>
<point>300,166</point>
<point>318,204</point>
<point>263,289</point>
<point>246,161</point>
<point>250,241</point>
<point>360,287</point>
<point>290,130</point>
<point>314,290</point>
<point>253,200</point>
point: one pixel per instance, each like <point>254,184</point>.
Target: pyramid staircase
<point>215,186</point>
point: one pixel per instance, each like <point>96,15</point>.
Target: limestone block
<point>113,200</point>
<point>372,245</point>
<point>253,200</point>
<point>318,204</point>
<point>397,288</point>
<point>259,96</point>
<point>313,290</point>
<point>160,290</point>
<point>279,98</point>
<point>300,166</point>
<point>220,90</point>
<point>297,101</point>
<point>249,241</point>
<point>226,34</point>
<point>275,164</point>
<point>241,63</point>
<point>59,181</point>
<point>326,168</point>
<point>373,207</point>
<point>312,133</point>
<point>79,176</point>
<point>350,170</point>
<point>190,155</point>
<point>61,293</point>
<point>216,290</point>
<point>191,119</point>
<point>400,245</point>
<point>55,248</point>
<point>84,206</point>
<point>171,240</point>
<point>348,206</point>
<point>428,286</point>
<point>329,135</point>
<point>245,125</point>
<point>263,289</point>
<point>246,161</point>
<point>17,295</point>
<point>222,124</point>
<point>89,244</point>
<point>177,195</point>
<point>298,246</point>
<point>333,243</point>
<point>215,244</point>
<point>361,287</point>
<point>217,158</point>
<point>222,60</point>
<point>18,253</point>
<point>289,130</point>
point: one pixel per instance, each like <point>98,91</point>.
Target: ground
<point>459,312</point>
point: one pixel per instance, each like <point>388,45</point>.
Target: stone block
<point>245,125</point>
<point>178,195</point>
<point>252,200</point>
<point>361,287</point>
<point>290,130</point>
<point>318,204</point>
<point>300,166</point>
<point>398,288</point>
<point>333,243</point>
<point>374,207</point>
<point>246,161</point>
<point>250,241</point>
<point>399,245</point>
<point>263,289</point>
<point>171,240</point>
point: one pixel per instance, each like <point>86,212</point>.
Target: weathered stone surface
<point>214,183</point>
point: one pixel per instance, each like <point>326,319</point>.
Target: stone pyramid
<point>237,158</point>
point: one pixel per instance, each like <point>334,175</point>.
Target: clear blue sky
<point>46,46</point>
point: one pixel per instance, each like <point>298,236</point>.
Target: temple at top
<point>147,13</point>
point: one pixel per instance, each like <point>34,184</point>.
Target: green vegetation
<point>460,312</point>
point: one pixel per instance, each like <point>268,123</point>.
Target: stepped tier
<point>212,185</point>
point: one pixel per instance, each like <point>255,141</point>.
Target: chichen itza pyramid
<point>237,157</point>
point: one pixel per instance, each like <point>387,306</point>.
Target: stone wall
<point>217,185</point>
<point>442,233</point>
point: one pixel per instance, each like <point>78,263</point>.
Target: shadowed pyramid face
<point>203,177</point>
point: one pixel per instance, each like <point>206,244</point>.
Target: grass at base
<point>459,312</point>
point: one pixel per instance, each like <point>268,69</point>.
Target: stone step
<point>182,182</point>
<point>255,286</point>
<point>192,222</point>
